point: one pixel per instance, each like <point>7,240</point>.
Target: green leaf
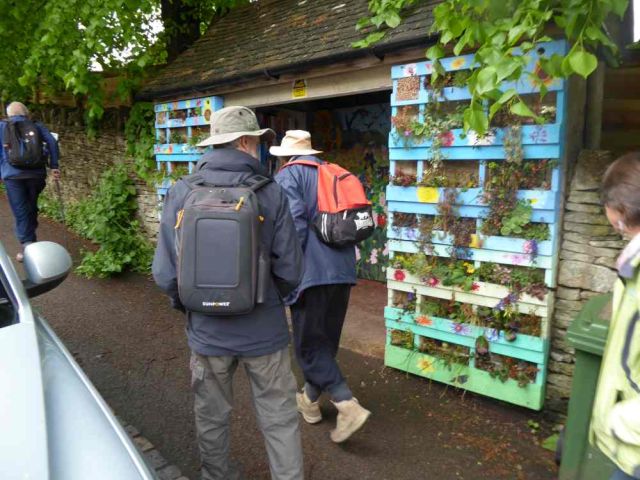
<point>435,52</point>
<point>551,443</point>
<point>487,80</point>
<point>521,108</point>
<point>392,19</point>
<point>583,62</point>
<point>619,7</point>
<point>476,119</point>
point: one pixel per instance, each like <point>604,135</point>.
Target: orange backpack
<point>344,212</point>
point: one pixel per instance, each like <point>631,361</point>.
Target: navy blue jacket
<point>323,265</point>
<point>9,171</point>
<point>264,330</point>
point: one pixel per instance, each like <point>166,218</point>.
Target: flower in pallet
<point>460,328</point>
<point>407,133</point>
<point>475,287</point>
<point>381,220</point>
<point>424,321</point>
<point>433,282</point>
<point>469,267</point>
<point>385,252</point>
<point>447,138</point>
<point>399,276</point>
<point>492,334</point>
<point>531,247</point>
<point>458,63</point>
<point>426,366</point>
<point>357,254</point>
<point>373,258</point>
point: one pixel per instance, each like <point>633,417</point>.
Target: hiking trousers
<point>317,318</point>
<point>23,199</point>
<point>273,389</point>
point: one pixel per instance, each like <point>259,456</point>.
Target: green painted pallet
<point>465,377</point>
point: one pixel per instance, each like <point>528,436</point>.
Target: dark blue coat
<point>264,330</point>
<point>323,265</point>
<point>9,171</point>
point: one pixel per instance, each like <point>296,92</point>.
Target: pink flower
<point>357,254</point>
<point>433,282</point>
<point>399,275</point>
<point>407,133</point>
<point>373,258</point>
<point>475,287</point>
<point>385,252</point>
<point>447,138</point>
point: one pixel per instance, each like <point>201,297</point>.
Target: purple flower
<point>531,247</point>
<point>460,328</point>
<point>407,133</point>
<point>411,296</point>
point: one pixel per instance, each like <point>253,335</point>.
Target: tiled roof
<point>273,36</point>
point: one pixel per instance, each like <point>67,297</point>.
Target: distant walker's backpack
<point>222,269</point>
<point>23,145</point>
<point>344,214</point>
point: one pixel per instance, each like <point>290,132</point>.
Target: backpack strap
<point>256,182</point>
<point>253,182</point>
<point>194,180</point>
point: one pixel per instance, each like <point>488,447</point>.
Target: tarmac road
<point>133,348</point>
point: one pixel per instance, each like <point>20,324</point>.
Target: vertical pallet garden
<point>180,126</point>
<point>473,232</point>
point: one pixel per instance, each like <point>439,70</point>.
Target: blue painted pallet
<point>216,103</point>
<point>539,199</point>
<point>532,135</point>
<point>483,255</point>
<point>500,244</point>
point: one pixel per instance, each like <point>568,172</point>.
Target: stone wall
<point>586,267</point>
<point>84,159</point>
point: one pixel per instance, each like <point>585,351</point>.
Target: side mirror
<point>47,264</point>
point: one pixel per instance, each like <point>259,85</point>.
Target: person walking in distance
<point>25,147</point>
<point>319,305</point>
<point>227,253</point>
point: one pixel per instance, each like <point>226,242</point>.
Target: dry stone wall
<point>586,267</point>
<point>84,159</point>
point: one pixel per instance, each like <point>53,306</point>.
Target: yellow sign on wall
<point>299,88</point>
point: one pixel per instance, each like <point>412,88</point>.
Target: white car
<point>54,423</point>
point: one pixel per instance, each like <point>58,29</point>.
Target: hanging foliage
<point>502,34</point>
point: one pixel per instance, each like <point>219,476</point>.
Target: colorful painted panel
<point>473,232</point>
<point>180,126</point>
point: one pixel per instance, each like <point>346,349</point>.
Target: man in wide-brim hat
<point>319,305</point>
<point>257,340</point>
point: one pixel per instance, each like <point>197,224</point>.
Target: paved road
<point>133,348</point>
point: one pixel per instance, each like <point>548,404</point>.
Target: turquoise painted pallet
<point>539,142</point>
<point>466,377</point>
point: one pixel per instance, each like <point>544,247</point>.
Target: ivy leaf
<point>583,62</point>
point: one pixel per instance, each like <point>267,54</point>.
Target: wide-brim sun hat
<point>295,142</point>
<point>231,123</point>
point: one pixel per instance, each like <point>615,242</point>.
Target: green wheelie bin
<point>588,335</point>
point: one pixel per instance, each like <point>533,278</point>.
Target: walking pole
<point>56,183</point>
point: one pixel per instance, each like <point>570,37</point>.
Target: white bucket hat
<point>295,142</point>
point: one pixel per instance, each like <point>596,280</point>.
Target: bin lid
<point>588,331</point>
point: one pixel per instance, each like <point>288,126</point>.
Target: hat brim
<point>290,152</point>
<point>220,139</point>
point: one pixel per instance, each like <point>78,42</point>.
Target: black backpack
<point>222,269</point>
<point>23,145</point>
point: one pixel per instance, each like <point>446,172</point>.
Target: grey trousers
<point>273,388</point>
